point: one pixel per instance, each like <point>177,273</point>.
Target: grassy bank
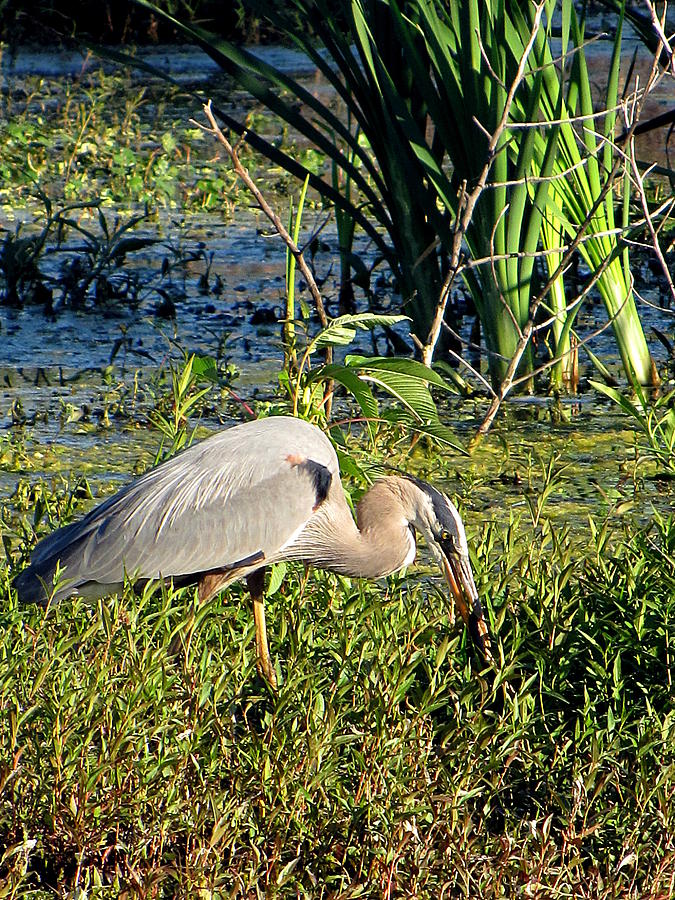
<point>141,756</point>
<point>139,752</point>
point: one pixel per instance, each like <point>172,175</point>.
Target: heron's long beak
<point>459,576</point>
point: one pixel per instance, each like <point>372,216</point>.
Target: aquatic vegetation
<point>106,137</point>
<point>310,390</point>
<point>20,274</point>
<point>77,258</point>
<point>418,183</point>
<point>140,754</point>
<point>655,421</point>
<point>138,748</point>
<point>425,179</point>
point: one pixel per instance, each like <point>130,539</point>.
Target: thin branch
<point>509,377</point>
<point>567,120</point>
<point>542,326</point>
<point>581,342</point>
<point>472,369</point>
<point>460,359</point>
<point>657,25</point>
<point>281,230</point>
<point>544,252</point>
<point>656,246</point>
<point>493,354</point>
<point>242,172</point>
<point>509,381</point>
<point>557,316</point>
<point>667,310</point>
<point>538,179</point>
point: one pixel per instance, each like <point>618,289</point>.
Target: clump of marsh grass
<point>139,752</point>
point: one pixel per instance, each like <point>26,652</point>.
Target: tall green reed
<point>427,88</point>
<point>586,162</point>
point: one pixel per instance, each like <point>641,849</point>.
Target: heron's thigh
<point>212,582</point>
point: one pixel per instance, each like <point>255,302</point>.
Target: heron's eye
<point>445,535</point>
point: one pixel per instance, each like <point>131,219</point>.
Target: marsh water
<point>64,370</point>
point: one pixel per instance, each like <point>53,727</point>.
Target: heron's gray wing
<point>245,491</point>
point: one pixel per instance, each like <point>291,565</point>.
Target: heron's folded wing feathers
<point>204,509</point>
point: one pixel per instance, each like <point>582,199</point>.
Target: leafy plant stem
<point>295,221</point>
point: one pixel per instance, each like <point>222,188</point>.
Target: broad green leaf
<point>412,393</point>
<point>409,367</point>
<point>205,367</point>
<point>277,575</point>
<point>341,331</point>
<point>354,385</point>
<point>434,429</point>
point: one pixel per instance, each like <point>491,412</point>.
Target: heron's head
<point>440,523</point>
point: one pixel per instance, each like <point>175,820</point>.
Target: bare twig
<point>638,180</point>
<point>509,377</point>
<point>463,362</point>
<point>580,342</point>
<point>657,25</point>
<point>281,230</point>
<point>543,325</point>
<point>667,310</point>
<point>566,120</point>
<point>509,380</point>
<point>494,354</point>
<point>242,172</point>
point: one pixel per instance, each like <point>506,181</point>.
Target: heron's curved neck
<point>378,543</point>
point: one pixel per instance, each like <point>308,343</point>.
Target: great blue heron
<point>245,498</point>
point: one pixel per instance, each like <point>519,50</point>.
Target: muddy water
<point>249,270</point>
<point>245,268</point>
<point>51,365</point>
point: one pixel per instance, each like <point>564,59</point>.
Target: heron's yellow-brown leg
<point>256,586</point>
